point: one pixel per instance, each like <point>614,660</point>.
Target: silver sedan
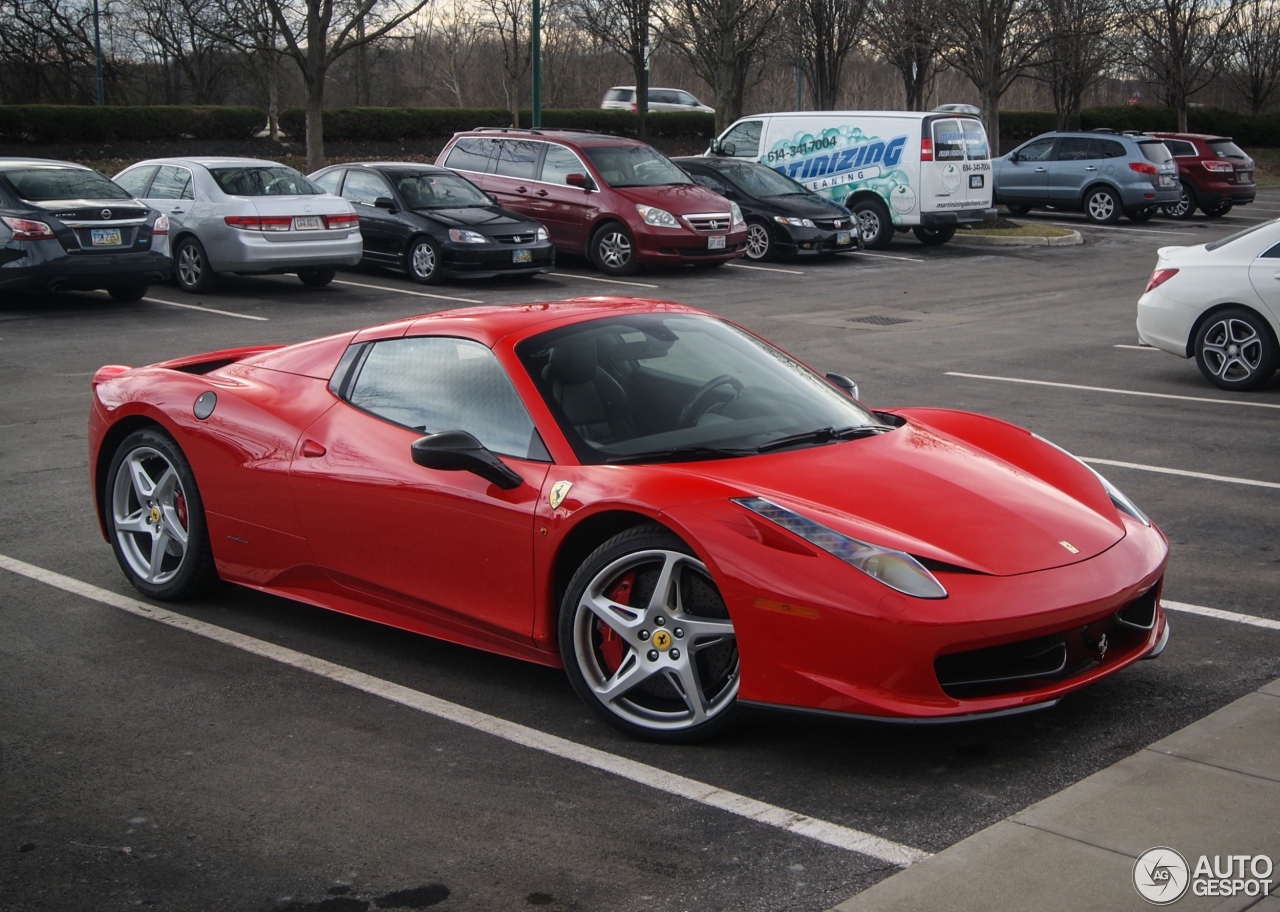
<point>246,216</point>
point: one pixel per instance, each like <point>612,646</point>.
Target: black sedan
<point>431,223</point>
<point>783,217</point>
<point>64,227</point>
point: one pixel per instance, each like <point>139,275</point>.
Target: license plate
<point>105,237</point>
<point>844,237</point>
<point>522,256</point>
<point>307,223</point>
<point>715,243</point>
<point>1166,180</point>
<point>975,181</point>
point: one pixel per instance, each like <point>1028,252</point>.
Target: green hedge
<point>49,124</point>
<point>1262,130</point>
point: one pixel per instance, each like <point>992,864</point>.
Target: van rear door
<point>959,176</point>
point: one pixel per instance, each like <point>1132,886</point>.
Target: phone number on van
<point>813,145</point>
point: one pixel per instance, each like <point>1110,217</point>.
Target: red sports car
<point>684,517</point>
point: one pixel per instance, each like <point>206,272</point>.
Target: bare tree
<point>908,34</point>
<point>1181,44</point>
<point>622,26</point>
<point>1253,64</point>
<point>513,22</point>
<point>826,31</point>
<point>181,35</point>
<point>1079,50</point>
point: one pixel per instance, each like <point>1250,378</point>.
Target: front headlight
<point>895,569</point>
<point>461,236</point>
<point>542,234</point>
<point>798,222</point>
<point>1118,498</point>
<point>737,215</point>
<point>660,218</point>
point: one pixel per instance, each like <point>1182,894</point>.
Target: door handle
<point>1278,275</point>
<point>542,193</point>
<point>522,189</point>
<point>177,211</point>
<point>1041,170</point>
<point>311,449</point>
<point>1091,167</point>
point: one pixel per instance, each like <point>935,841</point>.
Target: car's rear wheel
<point>155,518</point>
<point>647,641</point>
<point>128,293</point>
<point>759,242</point>
<point>613,250</point>
<point>316,277</point>
<point>191,269</point>
<point>1102,206</point>
<point>875,227</point>
<point>934,237</point>
<point>1017,208</point>
<point>1219,210</point>
<point>1141,215</point>
<point>1185,207</point>
<point>422,261</point>
<point>1235,350</point>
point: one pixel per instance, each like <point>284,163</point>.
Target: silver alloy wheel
<point>615,249</point>
<point>148,513</point>
<point>868,225</point>
<point>190,265</point>
<point>757,241</point>
<point>662,647</point>
<point>422,259</point>
<point>1232,350</point>
<point>1102,206</point>
<point>1179,209</point>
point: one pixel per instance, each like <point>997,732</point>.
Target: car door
<point>442,545</point>
<point>172,192</point>
<point>1074,164</point>
<point>515,168</point>
<point>1024,174</point>
<point>1264,275</point>
<point>378,226</point>
<point>565,210</point>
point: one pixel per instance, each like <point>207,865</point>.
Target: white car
<point>1220,304</point>
<point>246,216</point>
<point>623,98</point>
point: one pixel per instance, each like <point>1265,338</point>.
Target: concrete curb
<point>1070,240</point>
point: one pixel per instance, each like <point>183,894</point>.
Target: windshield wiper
<point>822,435</point>
<point>681,452</point>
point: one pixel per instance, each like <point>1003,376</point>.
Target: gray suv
<point>1102,172</point>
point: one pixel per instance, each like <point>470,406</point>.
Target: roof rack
<point>536,131</point>
<point>1134,132</point>
<point>1102,130</point>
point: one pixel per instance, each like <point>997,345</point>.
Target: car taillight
<point>633,106</point>
<point>161,226</point>
<point>1216,166</point>
<point>926,149</point>
<point>1159,277</point>
<point>260,222</point>
<point>28,229</point>
<point>350,220</point>
<point>277,222</point>
<point>1142,167</point>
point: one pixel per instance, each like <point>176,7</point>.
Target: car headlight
<point>462,236</point>
<point>660,218</point>
<point>897,570</point>
<point>1118,498</point>
<point>737,215</point>
<point>542,234</point>
<point>798,222</point>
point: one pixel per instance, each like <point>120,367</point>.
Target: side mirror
<point>493,200</point>
<point>1013,157</point>
<point>458,451</point>
<point>385,202</point>
<point>576,180</point>
<point>850,388</point>
<point>728,148</point>
<point>714,147</point>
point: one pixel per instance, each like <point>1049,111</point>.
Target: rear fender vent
<point>204,367</point>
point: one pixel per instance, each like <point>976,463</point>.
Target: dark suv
<point>1215,174</point>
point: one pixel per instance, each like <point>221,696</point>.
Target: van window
<point>517,158</point>
<point>618,95</point>
<point>958,140</point>
<point>685,98</point>
<point>471,153</point>
<point>558,163</point>
<point>663,96</point>
<point>745,138</point>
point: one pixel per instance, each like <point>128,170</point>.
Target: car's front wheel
<point>647,641</point>
<point>1235,350</point>
<point>423,261</point>
<point>759,242</point>
<point>875,227</point>
<point>191,269</point>
<point>1102,206</point>
<point>1016,209</point>
<point>613,250</point>
<point>933,237</point>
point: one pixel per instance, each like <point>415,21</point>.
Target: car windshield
<point>263,180</point>
<point>1235,237</point>
<point>1225,148</point>
<point>437,190</point>
<point>44,184</point>
<point>759,180</point>
<point>634,166</point>
<point>663,387</point>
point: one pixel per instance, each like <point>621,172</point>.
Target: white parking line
<point>405,291</point>
<point>1141,348</point>
<point>1163,471</point>
<point>203,309</point>
<point>1221,615</point>
<point>1120,392</point>
<point>820,830</point>
<point>574,275</point>
<point>766,269</point>
<point>886,256</point>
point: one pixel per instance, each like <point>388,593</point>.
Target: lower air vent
<point>1140,614</point>
<point>1038,658</point>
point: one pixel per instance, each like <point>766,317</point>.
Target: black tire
<point>1219,210</point>
<point>316,277</point>
<point>613,250</point>
<point>934,237</point>
<point>422,261</point>
<point>875,227</point>
<point>1017,208</point>
<point>1102,206</point>
<point>191,269</point>
<point>1236,350</point>
<point>652,708</point>
<point>128,293</point>
<point>1141,215</point>
<point>1184,208</point>
<point>759,246</point>
<point>181,576</point>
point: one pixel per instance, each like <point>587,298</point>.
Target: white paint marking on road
<point>1221,615</point>
<point>820,830</point>
<point>1164,471</point>
<point>886,256</point>
<point>203,309</point>
<point>1120,392</point>
<point>1141,348</point>
<point>766,269</point>
<point>1124,228</point>
<point>405,291</point>
<point>574,275</point>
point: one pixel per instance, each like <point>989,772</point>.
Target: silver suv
<point>1102,172</point>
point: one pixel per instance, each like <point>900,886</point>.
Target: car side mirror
<point>728,148</point>
<point>493,200</point>
<point>576,180</point>
<point>730,193</point>
<point>458,451</point>
<point>850,388</point>
<point>1013,157</point>
<point>385,202</point>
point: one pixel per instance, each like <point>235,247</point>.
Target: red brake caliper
<point>611,645</point>
<point>180,505</point>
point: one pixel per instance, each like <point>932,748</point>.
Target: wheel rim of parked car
<point>149,513</point>
<point>1102,206</point>
<point>615,249</point>
<point>1179,209</point>
<point>423,260</point>
<point>757,242</point>
<point>656,666</point>
<point>868,224</point>
<point>190,264</point>
<point>1232,350</point>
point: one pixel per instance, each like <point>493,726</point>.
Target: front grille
<point>832,224</point>
<point>710,222</point>
<point>515,238</point>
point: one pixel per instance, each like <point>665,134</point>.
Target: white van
<point>895,169</point>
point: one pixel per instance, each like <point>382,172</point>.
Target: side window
<point>663,96</point>
<point>171,183</point>
<point>1036,151</point>
<point>1074,148</point>
<point>434,384</point>
<point>365,187</point>
<point>1273,253</point>
<point>134,181</point>
<point>685,98</point>
<point>471,153</point>
<point>745,138</point>
<point>1107,148</point>
<point>709,182</point>
<point>1176,146</point>
<point>517,158</point>
<point>329,181</point>
<point>558,163</point>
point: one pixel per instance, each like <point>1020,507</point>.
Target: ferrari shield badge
<point>557,494</point>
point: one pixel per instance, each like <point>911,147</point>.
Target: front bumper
<point>799,241</point>
<point>679,245</point>
<point>956,217</point>
<point>45,264</point>
<point>486,260</point>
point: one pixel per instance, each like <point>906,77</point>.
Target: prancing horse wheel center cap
<point>661,639</point>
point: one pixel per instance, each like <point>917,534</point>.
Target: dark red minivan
<point>618,201</point>
<point>1216,174</point>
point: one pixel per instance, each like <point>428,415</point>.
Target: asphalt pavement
<point>254,753</point>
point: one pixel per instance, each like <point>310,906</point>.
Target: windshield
<point>437,190</point>
<point>634,388</point>
<point>759,180</point>
<point>1225,148</point>
<point>1235,237</point>
<point>260,180</point>
<point>634,166</point>
<point>43,184</point>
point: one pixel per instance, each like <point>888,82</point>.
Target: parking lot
<point>145,765</point>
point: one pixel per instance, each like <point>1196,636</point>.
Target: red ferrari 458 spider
<point>684,517</point>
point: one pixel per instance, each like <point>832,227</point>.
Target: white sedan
<point>1220,304</point>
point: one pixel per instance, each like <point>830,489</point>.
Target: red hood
<point>1003,507</point>
<point>678,199</point>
